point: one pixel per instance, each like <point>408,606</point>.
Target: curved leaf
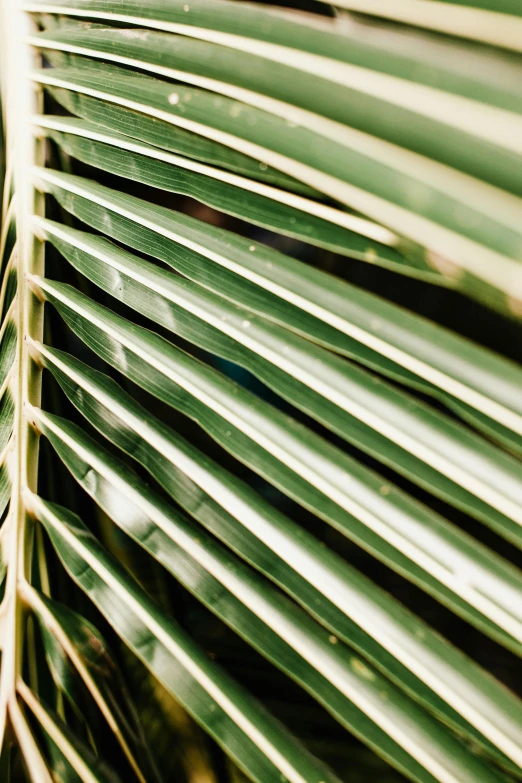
<point>335,393</point>
<point>462,574</point>
<point>227,587</point>
<point>172,461</point>
<point>259,745</point>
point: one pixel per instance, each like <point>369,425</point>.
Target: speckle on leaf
<point>361,669</point>
<point>142,35</point>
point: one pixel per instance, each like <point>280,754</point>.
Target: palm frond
<point>213,378</point>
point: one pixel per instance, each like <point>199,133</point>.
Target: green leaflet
<point>259,745</point>
<point>305,110</point>
<point>342,173</point>
<point>237,197</point>
<point>322,308</point>
<point>287,636</point>
<point>206,18</point>
<point>278,357</point>
<point>8,345</point>
<point>276,86</point>
<point>8,238</point>
<point>190,257</point>
<point>264,24</point>
<point>80,660</point>
<point>176,140</point>
<point>319,306</point>
<point>5,488</point>
<point>69,759</point>
<point>136,125</point>
<point>172,461</point>
<point>205,568</point>
<point>8,292</point>
<point>307,300</point>
<point>6,419</point>
<point>394,528</point>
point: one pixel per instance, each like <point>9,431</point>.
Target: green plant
<point>251,421</point>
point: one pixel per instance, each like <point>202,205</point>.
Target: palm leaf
<point>196,378</point>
